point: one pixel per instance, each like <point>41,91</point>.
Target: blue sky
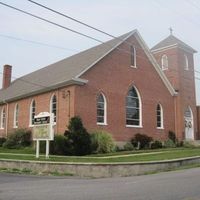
<point>152,18</point>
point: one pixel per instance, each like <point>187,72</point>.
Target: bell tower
<point>176,61</point>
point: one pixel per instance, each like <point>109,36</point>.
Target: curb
<point>99,170</point>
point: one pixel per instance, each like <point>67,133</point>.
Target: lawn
<point>130,156</point>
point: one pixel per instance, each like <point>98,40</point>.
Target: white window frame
<point>105,109</point>
<point>164,62</point>
<point>186,64</point>
<point>16,116</point>
<point>31,112</point>
<point>161,117</point>
<point>140,110</point>
<point>3,118</point>
<point>51,107</point>
<point>133,54</point>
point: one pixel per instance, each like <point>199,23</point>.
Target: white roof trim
<point>155,64</point>
<point>164,48</point>
<point>120,42</point>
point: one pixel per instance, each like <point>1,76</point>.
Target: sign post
<point>43,130</point>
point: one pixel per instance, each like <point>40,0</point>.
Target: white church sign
<point>43,130</point>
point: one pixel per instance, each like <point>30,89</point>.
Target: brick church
<point>120,86</point>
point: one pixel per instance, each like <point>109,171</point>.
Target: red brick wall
<point>113,76</point>
<point>183,81</point>
<point>64,109</point>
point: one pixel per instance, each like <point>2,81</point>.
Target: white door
<point>189,128</point>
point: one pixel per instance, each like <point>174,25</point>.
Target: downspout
<point>7,117</point>
<point>175,115</point>
<point>69,104</point>
<point>57,123</point>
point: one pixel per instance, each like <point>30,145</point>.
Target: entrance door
<point>189,128</point>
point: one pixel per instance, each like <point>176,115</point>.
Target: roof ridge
<point>169,41</point>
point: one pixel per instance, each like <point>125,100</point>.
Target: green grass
<point>26,150</point>
<point>166,154</point>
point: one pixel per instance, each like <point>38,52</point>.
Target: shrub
<point>102,142</point>
<point>60,145</point>
<point>78,137</point>
<point>19,138</point>
<point>191,144</point>
<point>169,144</point>
<point>156,144</point>
<point>172,136</point>
<point>128,146</point>
<point>141,139</point>
<point>2,140</point>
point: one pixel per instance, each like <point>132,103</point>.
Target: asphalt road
<point>184,185</point>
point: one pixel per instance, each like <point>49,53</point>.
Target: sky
<point>49,44</point>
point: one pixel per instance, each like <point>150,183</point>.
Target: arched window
<point>101,109</point>
<point>164,62</point>
<point>32,112</point>
<point>186,66</point>
<point>133,108</point>
<point>3,118</point>
<point>159,111</point>
<point>53,106</point>
<point>16,114</point>
<point>133,56</point>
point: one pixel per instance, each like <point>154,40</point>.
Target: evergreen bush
<point>2,140</point>
<point>79,138</point>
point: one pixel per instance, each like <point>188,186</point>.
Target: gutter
<point>73,81</point>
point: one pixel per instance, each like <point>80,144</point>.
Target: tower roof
<point>172,41</point>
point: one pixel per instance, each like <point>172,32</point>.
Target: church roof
<point>68,71</point>
<point>171,40</point>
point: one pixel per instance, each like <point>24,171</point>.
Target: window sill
<point>31,125</point>
<point>133,66</point>
<point>1,128</point>
<point>160,128</point>
<point>102,124</point>
<point>133,126</point>
<point>15,126</point>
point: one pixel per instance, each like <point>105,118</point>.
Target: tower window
<point>186,67</point>
<point>164,62</point>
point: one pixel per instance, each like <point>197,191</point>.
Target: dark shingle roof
<point>59,73</point>
<point>172,40</point>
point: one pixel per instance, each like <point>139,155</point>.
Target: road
<point>183,184</point>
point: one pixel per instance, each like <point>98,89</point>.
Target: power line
<point>50,22</point>
<point>43,19</point>
<point>35,42</point>
<point>80,22</point>
<point>72,18</point>
<point>61,26</point>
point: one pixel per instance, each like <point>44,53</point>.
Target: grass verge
<point>159,156</point>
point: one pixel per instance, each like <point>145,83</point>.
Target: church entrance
<point>189,128</point>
